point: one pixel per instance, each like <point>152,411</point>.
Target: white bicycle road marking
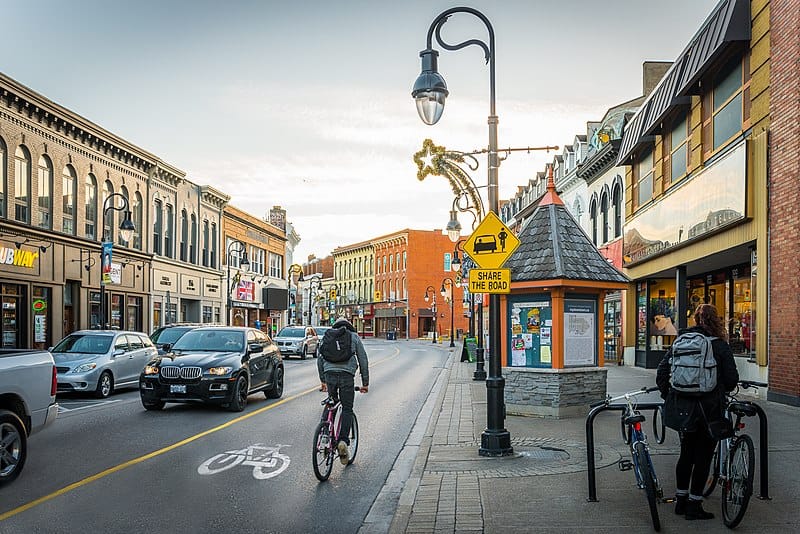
<point>267,462</point>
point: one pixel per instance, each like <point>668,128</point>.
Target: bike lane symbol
<point>267,462</point>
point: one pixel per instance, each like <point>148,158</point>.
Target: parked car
<point>170,333</point>
<point>320,330</point>
<point>214,365</point>
<point>27,404</point>
<point>297,340</point>
<point>101,361</point>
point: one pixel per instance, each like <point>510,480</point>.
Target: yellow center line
<point>148,456</point>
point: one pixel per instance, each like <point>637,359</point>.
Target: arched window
<point>184,234</point>
<point>108,214</point>
<point>22,185</point>
<point>193,241</point>
<point>213,262</point>
<point>616,200</point>
<point>604,215</point>
<point>45,193</point>
<point>3,168</point>
<point>205,243</point>
<point>391,263</point>
<point>397,261</point>
<point>593,219</point>
<point>158,225</point>
<point>138,221</point>
<point>90,207</point>
<point>169,232</point>
<point>69,184</point>
<point>124,192</point>
<point>405,265</point>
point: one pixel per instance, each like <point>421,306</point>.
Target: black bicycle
<point>734,459</point>
<point>640,463</point>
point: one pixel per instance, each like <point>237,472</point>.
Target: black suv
<point>170,333</point>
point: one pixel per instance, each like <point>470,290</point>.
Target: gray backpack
<point>693,367</point>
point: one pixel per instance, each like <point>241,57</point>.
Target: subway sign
<point>19,258</point>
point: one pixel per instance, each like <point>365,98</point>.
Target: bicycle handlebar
<point>752,384</point>
<point>633,393</point>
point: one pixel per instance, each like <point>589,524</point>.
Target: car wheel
<point>304,353</point>
<point>105,385</point>
<point>239,399</point>
<point>277,385</point>
<point>13,446</point>
<point>153,405</point>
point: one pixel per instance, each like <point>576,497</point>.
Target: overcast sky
<point>307,104</point>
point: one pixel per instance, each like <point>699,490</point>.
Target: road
<point>110,466</point>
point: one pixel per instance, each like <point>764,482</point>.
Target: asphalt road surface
<point>110,466</point>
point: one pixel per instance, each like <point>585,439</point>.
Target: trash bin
<point>391,335</point>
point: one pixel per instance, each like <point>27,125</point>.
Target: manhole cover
<point>555,455</point>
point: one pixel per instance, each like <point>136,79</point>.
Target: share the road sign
<point>491,243</point>
<point>490,281</point>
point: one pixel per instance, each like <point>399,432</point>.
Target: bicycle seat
<point>744,408</point>
<point>635,418</point>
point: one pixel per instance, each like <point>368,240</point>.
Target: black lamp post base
<point>496,443</point>
<point>479,374</point>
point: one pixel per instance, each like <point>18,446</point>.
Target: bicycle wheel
<point>645,468</point>
<point>713,475</point>
<point>625,429</point>
<point>322,453</point>
<point>659,428</point>
<point>353,439</point>
<point>736,491</point>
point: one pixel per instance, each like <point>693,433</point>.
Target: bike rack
<point>763,453</point>
<point>590,436</point>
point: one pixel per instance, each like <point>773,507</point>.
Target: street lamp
<point>443,291</point>
<point>314,284</point>
<point>126,231</point>
<point>433,308</point>
<point>241,250</point>
<point>429,92</point>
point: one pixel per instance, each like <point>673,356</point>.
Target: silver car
<point>100,361</point>
<point>299,340</point>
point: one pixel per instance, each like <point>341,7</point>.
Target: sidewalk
<point>543,486</point>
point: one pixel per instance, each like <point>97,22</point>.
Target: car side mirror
<point>166,347</point>
<point>118,352</point>
<point>254,347</point>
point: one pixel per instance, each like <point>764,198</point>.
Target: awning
<point>390,312</point>
<point>424,312</point>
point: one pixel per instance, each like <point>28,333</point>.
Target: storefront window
<point>612,328</point>
<point>206,314</point>
<point>94,310</point>
<point>116,312</point>
<point>42,337</point>
<point>134,316</point>
<point>663,316</point>
<point>13,318</point>
<point>156,315</point>
<point>641,316</point>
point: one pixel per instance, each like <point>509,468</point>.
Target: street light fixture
<point>314,284</point>
<point>430,92</point>
<point>443,291</point>
<point>126,231</point>
<point>433,309</point>
<point>244,263</point>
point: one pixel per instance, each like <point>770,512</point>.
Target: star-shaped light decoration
<point>428,160</point>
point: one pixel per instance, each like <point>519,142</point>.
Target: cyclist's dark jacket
<point>357,362</point>
<point>681,410</point>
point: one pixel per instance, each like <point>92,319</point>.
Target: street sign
<point>491,243</point>
<point>490,281</point>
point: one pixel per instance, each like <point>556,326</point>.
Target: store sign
<point>210,288</point>
<point>711,200</point>
<point>190,285</point>
<point>246,291</point>
<point>18,257</point>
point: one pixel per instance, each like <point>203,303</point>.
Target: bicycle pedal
<point>625,465</point>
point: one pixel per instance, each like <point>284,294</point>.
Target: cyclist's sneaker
<point>680,504</point>
<point>694,510</point>
<point>344,452</point>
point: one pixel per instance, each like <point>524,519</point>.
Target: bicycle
<point>326,437</point>
<point>634,436</point>
<point>734,459</point>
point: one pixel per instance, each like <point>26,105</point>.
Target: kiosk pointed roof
<point>553,246</point>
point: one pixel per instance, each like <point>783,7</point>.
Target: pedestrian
<point>690,413</point>
<point>337,374</point>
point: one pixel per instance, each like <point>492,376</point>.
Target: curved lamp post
<point>433,308</point>
<point>241,250</point>
<point>314,284</point>
<point>430,92</point>
<point>443,291</point>
<point>126,231</point>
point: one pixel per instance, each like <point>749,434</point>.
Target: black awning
<point>390,312</point>
<point>424,312</point>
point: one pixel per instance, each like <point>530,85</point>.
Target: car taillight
<point>54,384</point>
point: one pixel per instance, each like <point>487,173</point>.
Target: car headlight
<point>150,370</point>
<point>220,371</point>
<point>84,367</point>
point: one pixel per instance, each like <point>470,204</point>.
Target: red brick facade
<point>784,197</point>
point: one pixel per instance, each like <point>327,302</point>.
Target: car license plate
<point>177,388</point>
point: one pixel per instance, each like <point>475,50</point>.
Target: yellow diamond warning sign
<point>491,243</point>
<point>490,281</point>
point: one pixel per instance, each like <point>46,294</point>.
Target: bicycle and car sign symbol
<point>491,243</point>
<point>267,462</point>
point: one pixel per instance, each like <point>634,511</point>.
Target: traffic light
<point>333,294</point>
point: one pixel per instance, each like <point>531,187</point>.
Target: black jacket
<point>682,411</point>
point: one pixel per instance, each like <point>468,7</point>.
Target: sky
<point>307,104</point>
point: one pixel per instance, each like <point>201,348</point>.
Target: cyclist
<point>338,379</point>
<point>690,413</point>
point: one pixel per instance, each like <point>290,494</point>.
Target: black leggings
<point>697,450</point>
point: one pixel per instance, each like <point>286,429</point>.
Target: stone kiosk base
<point>553,392</point>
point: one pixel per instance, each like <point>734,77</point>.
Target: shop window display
<point>662,316</point>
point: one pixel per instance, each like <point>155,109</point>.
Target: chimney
<point>652,72</point>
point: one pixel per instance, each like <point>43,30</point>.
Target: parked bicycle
<point>733,466</point>
<point>327,436</point>
<point>640,463</point>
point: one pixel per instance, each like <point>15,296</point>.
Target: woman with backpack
<point>693,377</point>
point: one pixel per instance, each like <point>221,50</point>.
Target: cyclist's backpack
<point>693,366</point>
<point>337,345</point>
